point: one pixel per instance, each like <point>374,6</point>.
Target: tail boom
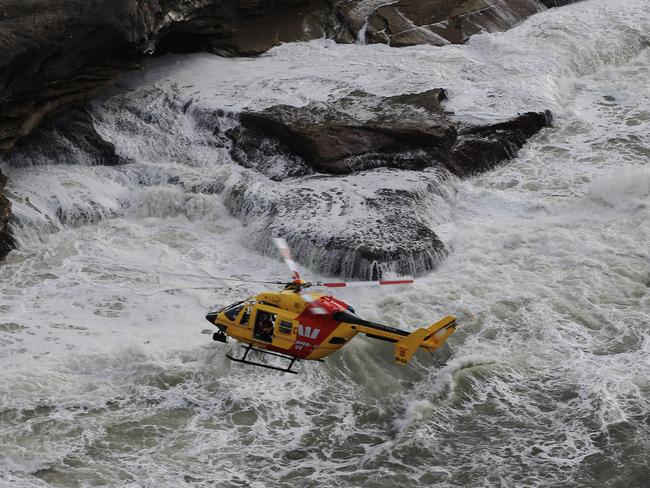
<point>430,338</point>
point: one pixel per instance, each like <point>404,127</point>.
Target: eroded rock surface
<point>361,225</point>
<point>558,3</point>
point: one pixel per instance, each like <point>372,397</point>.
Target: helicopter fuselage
<point>313,328</point>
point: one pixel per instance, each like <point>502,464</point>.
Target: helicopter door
<point>265,323</point>
<point>286,331</point>
<point>243,329</point>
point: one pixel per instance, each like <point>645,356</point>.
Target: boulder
<point>357,132</point>
<point>362,131</point>
<point>372,177</point>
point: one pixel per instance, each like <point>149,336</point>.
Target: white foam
<point>106,376</point>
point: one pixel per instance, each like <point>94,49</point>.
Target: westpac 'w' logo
<point>306,331</point>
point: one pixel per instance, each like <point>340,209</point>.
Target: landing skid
<point>262,365</point>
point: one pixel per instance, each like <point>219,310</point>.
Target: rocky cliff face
<point>557,3</point>
<point>55,52</point>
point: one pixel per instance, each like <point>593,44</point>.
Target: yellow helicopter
<point>294,324</point>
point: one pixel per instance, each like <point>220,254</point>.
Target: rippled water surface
<point>107,378</point>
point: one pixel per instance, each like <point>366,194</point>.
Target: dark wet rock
<point>380,164</point>
<point>363,131</point>
<point>6,242</point>
<point>269,156</point>
<point>437,22</point>
<point>357,132</point>
<point>245,28</point>
<point>481,147</point>
<point>409,248</point>
<point>57,52</point>
<point>358,226</point>
<point>558,3</point>
<point>69,137</point>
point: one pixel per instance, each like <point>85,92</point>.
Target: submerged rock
<point>361,226</point>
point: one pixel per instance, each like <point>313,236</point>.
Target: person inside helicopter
<point>264,326</point>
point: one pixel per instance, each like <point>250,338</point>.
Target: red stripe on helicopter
<point>395,282</point>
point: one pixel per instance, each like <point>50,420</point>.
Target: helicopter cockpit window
<point>232,311</point>
<point>284,327</point>
<point>246,316</point>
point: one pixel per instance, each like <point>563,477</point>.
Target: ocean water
<point>109,375</point>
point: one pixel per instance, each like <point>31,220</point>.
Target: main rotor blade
<point>285,251</point>
<point>220,278</point>
<point>346,284</point>
<point>251,281</point>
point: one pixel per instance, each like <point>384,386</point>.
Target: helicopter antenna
<point>221,278</point>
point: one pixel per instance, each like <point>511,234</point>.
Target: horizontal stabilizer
<point>430,338</point>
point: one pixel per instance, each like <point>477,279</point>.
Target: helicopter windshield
<point>233,310</point>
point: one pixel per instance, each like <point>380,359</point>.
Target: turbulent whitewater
<point>107,377</point>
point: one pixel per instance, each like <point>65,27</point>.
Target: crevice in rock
<point>6,241</point>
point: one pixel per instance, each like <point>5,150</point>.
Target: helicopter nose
<point>212,316</point>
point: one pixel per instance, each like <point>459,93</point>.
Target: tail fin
<point>430,338</point>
